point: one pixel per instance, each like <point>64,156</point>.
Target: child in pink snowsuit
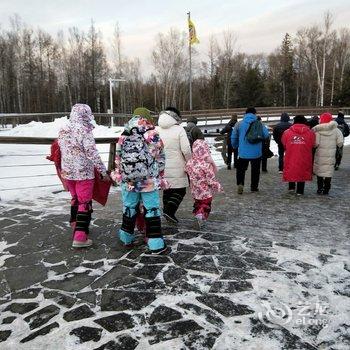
<point>201,170</point>
<point>79,160</point>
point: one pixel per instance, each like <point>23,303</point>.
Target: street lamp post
<point>111,83</point>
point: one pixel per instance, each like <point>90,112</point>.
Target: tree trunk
<point>323,78</point>
<point>333,78</point>
<point>19,96</point>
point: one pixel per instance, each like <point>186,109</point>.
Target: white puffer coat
<point>328,137</point>
<point>177,150</point>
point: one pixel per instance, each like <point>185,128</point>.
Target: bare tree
<point>170,64</point>
<point>226,54</point>
<point>320,42</point>
<point>343,53</point>
<point>40,72</point>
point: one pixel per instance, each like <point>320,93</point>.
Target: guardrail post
<point>111,158</point>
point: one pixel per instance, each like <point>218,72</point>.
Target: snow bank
<point>51,129</point>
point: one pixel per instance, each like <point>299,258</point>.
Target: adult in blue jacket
<point>247,152</point>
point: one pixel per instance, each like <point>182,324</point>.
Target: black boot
<point>128,224</point>
<point>153,227</point>
<point>319,185</point>
<point>172,201</point>
<point>73,211</point>
<point>73,214</point>
<point>83,221</point>
<point>327,185</point>
<point>81,230</point>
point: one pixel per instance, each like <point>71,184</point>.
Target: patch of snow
<point>4,254</point>
<point>52,129</point>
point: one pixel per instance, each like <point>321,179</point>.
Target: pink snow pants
<point>82,191</point>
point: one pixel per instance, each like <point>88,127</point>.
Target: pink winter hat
<point>326,118</point>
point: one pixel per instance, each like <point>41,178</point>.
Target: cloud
<point>259,24</point>
<point>264,32</point>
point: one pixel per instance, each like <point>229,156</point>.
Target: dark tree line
<point>42,73</point>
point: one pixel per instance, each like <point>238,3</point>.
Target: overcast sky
<point>259,24</point>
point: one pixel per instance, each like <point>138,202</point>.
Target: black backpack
<point>344,129</point>
<point>255,133</point>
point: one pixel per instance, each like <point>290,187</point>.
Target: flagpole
<point>190,55</point>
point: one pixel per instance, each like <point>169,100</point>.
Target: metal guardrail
<point>119,119</point>
<point>220,143</point>
<point>264,111</point>
<point>48,141</point>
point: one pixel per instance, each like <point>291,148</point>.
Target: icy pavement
<point>268,271</point>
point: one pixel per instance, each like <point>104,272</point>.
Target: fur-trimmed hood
<point>325,128</point>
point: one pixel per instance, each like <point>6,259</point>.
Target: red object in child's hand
<point>101,189</point>
<point>102,185</point>
<point>55,157</point>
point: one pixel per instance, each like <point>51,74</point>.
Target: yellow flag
<point>192,33</point>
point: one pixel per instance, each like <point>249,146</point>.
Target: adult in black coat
<point>266,153</point>
<point>228,130</point>
<point>278,131</point>
<point>313,121</point>
<point>342,125</point>
<point>344,128</point>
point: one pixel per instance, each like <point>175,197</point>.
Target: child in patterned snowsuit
<point>79,158</point>
<point>201,170</point>
<point>140,163</point>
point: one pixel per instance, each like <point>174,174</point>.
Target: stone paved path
<point>268,271</point>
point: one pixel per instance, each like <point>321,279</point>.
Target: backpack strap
<point>249,127</point>
<point>237,126</point>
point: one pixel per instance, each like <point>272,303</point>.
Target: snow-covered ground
<point>26,174</point>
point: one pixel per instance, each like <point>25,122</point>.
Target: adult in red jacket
<point>298,142</point>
